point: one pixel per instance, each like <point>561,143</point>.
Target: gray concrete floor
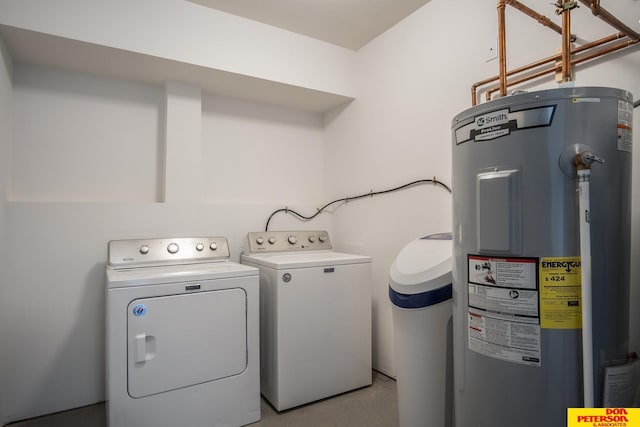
<point>374,406</point>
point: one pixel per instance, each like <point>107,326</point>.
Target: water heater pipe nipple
<point>585,159</point>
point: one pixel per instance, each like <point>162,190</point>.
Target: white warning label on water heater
<point>505,337</point>
<point>625,123</point>
<point>504,312</point>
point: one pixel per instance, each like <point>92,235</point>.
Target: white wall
<point>189,33</point>
<point>413,79</point>
<point>84,138</point>
<point>6,115</point>
<point>259,153</point>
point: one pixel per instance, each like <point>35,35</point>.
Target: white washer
<point>182,335</point>
<point>315,317</point>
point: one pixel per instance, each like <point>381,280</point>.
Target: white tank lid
<point>422,265</point>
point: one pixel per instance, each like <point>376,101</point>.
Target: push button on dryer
<point>173,248</point>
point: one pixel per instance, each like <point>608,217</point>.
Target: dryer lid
<point>120,278</point>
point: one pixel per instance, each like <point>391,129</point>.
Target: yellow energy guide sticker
<point>560,293</point>
<point>603,417</point>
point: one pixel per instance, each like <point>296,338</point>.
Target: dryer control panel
<point>287,241</point>
<point>167,251</point>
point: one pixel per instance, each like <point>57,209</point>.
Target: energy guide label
<point>560,293</point>
<point>504,312</point>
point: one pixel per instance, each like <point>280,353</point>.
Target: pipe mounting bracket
<point>563,6</point>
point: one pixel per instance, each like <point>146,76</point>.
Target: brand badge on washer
<point>286,277</point>
<point>139,310</point>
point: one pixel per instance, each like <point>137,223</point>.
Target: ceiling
<point>347,23</point>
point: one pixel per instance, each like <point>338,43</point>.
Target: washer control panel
<point>287,241</point>
<point>169,251</point>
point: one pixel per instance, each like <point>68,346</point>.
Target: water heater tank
<point>516,263</point>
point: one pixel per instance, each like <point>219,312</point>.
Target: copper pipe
<point>607,17</point>
<point>566,56</point>
<point>553,69</point>
<point>521,80</point>
<point>538,17</point>
<point>541,62</point>
<point>605,51</point>
<point>566,45</point>
<point>502,47</point>
<point>598,42</point>
<point>575,61</point>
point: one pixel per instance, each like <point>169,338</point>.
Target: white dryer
<point>182,335</point>
<point>315,316</point>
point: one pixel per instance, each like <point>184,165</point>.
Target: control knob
<point>292,239</point>
<point>173,248</point>
<point>272,240</point>
<point>199,247</point>
<point>312,239</point>
<point>144,249</point>
<point>322,238</point>
<point>213,246</point>
<point>259,240</point>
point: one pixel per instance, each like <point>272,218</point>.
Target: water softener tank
<point>516,262</point>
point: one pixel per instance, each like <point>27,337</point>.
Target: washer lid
<point>422,265</point>
<point>290,260</point>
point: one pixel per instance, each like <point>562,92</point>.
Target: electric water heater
<point>517,267</point>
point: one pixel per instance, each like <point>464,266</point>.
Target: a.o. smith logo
<point>493,118</point>
<point>496,124</point>
<point>491,125</point>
